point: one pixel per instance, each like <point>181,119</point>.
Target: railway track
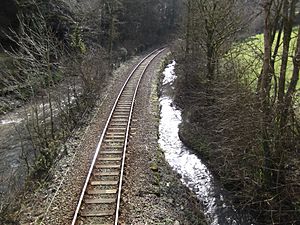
<point>99,202</point>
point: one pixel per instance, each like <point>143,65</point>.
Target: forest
<point>59,53</point>
<point>239,94</point>
<point>56,57</point>
<point>237,67</point>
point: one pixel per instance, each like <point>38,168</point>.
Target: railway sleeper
<point>116,132</point>
<point>107,173</point>
<point>113,129</point>
<point>122,110</point>
<point>111,145</point>
<point>105,170</point>
<point>119,121</point>
<point>113,142</point>
<point>116,135</point>
<point>123,107</point>
<point>125,104</point>
<point>127,94</point>
<point>107,178</point>
<point>101,185</point>
<point>92,208</point>
<point>108,166</point>
<point>98,214</point>
<point>118,124</point>
<point>119,117</point>
<point>122,122</point>
<point>118,110</point>
<point>102,191</point>
<point>100,201</point>
<point>104,182</point>
<point>100,221</point>
<point>121,113</point>
<point>125,101</point>
<point>110,152</point>
<point>110,159</point>
<point>112,148</point>
<point>113,139</point>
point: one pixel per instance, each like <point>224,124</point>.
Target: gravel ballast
<point>54,202</point>
<point>152,193</point>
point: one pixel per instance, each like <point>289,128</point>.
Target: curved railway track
<point>99,202</point>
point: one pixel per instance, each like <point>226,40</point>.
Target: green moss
<point>154,167</point>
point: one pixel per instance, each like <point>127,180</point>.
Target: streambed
<point>194,173</point>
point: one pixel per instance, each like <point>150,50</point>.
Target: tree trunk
<point>287,26</point>
<point>188,28</point>
<point>265,98</point>
<point>210,55</point>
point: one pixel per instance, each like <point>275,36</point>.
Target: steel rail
<point>126,138</point>
<point>89,174</point>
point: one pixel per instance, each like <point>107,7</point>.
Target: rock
<point>170,200</point>
<point>65,166</point>
<point>176,222</point>
<point>154,167</point>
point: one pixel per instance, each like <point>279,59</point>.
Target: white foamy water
<point>4,122</point>
<point>169,74</point>
<point>195,174</point>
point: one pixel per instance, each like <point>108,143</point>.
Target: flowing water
<point>16,145</point>
<point>195,174</point>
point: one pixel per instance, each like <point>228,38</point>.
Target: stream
<point>194,173</point>
<point>16,144</point>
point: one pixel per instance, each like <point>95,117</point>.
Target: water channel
<point>195,174</point>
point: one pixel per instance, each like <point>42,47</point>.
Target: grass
<point>250,54</point>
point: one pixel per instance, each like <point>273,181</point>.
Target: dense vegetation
<point>56,57</point>
<point>241,104</point>
<point>239,92</point>
<point>54,43</point>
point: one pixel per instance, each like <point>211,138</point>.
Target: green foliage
<point>243,120</point>
<point>249,53</point>
<point>77,40</point>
